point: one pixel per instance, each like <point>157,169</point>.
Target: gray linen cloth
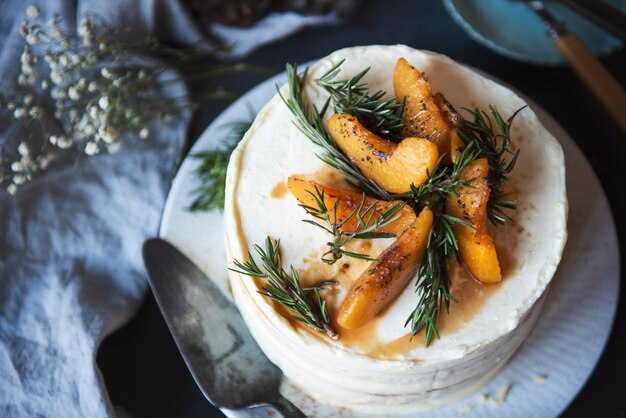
<point>70,262</point>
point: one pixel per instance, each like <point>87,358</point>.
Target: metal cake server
<point>223,358</point>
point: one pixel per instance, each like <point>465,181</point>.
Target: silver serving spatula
<point>226,363</point>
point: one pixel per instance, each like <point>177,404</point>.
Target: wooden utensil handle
<point>608,91</point>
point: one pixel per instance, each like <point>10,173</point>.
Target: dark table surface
<point>142,369</point>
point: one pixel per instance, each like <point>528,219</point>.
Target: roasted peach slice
<point>422,117</point>
<point>304,190</point>
<point>386,278</point>
<point>476,247</point>
<point>393,166</point>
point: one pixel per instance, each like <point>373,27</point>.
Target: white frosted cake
<point>380,367</point>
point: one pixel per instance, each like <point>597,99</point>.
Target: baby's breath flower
<point>11,106</point>
<point>64,60</point>
<point>19,179</point>
<point>32,11</point>
<point>108,134</point>
<point>103,103</point>
<point>56,77</point>
<point>24,29</point>
<point>22,80</point>
<point>32,38</point>
<point>17,167</point>
<point>53,139</point>
<point>19,113</point>
<point>114,147</point>
<point>45,84</point>
<point>73,114</point>
<point>144,133</point>
<point>44,161</point>
<point>28,99</point>
<point>92,87</point>
<point>106,73</point>
<point>91,148</point>
<point>12,189</point>
<point>73,93</point>
<point>22,149</point>
<point>94,111</point>
<point>36,112</point>
<point>64,142</point>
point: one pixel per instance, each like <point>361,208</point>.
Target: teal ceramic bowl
<point>510,28</point>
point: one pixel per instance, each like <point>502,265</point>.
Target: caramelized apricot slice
<point>304,190</point>
<point>393,166</point>
<point>476,247</point>
<point>386,278</point>
<point>422,117</point>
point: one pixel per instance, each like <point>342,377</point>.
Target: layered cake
<point>424,255</point>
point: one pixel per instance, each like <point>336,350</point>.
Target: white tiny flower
<point>11,106</point>
<point>64,142</point>
<point>19,179</point>
<point>19,113</point>
<point>32,38</point>
<point>58,114</point>
<point>64,60</point>
<point>84,26</point>
<point>144,133</point>
<point>91,148</point>
<point>56,77</point>
<point>117,83</point>
<point>48,57</point>
<point>54,20</point>
<point>53,139</point>
<point>36,112</point>
<point>45,84</point>
<point>82,83</point>
<point>12,189</point>
<point>73,114</point>
<point>26,55</point>
<point>17,167</point>
<point>44,161</point>
<point>22,80</point>
<point>28,99</point>
<point>92,87</point>
<point>89,130</point>
<point>106,73</point>
<point>73,93</point>
<point>57,34</point>
<point>103,103</point>
<point>23,149</point>
<point>142,75</point>
<point>32,11</point>
<point>102,46</point>
<point>108,134</point>
<point>94,111</point>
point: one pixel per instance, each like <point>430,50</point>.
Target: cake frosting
<point>379,368</point>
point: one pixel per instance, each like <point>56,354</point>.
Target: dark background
<point>141,366</point>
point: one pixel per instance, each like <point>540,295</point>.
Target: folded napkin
<point>70,243</point>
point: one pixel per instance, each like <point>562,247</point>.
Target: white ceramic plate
<point>569,338</point>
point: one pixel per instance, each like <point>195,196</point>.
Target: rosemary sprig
<point>212,170</point>
<point>366,228</point>
<point>305,302</point>
<point>433,278</point>
<point>383,117</point>
<point>309,122</point>
<point>494,146</point>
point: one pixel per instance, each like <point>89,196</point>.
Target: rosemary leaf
<point>367,226</point>
<point>211,171</point>
<point>351,96</point>
<point>305,303</point>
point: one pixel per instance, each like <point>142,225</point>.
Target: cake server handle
<point>286,408</point>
